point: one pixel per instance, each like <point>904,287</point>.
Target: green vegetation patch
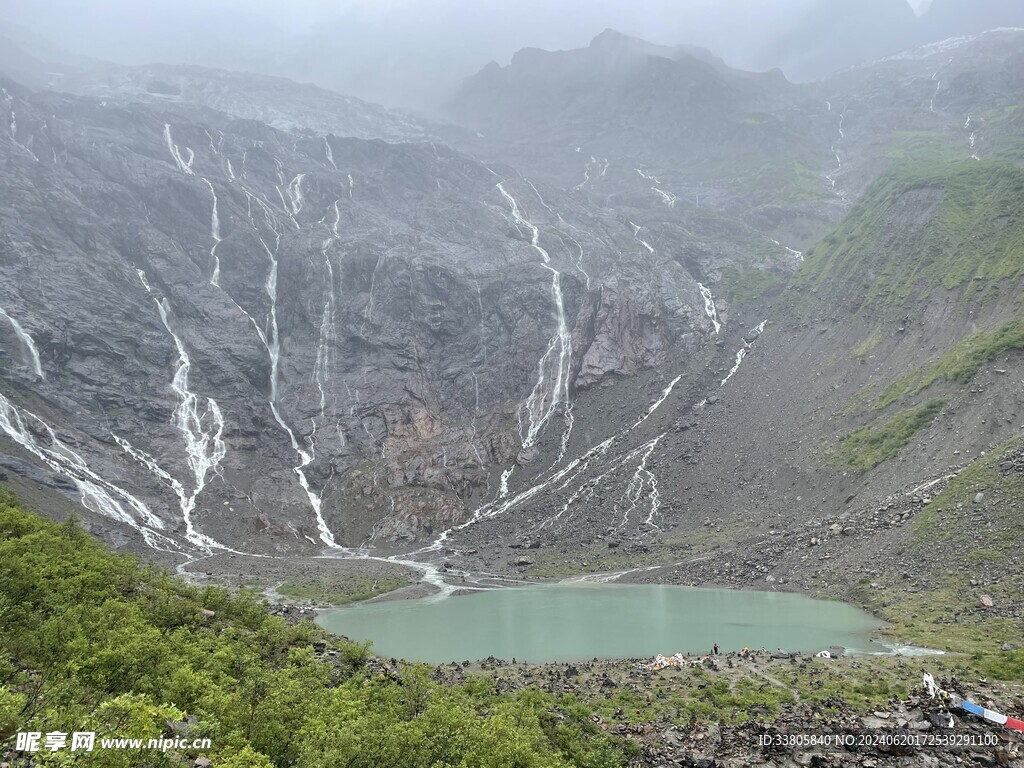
<point>960,364</point>
<point>871,445</point>
<point>92,641</point>
<point>946,617</point>
<point>695,694</point>
<point>744,285</point>
<point>952,514</point>
<point>862,350</point>
<point>885,251</point>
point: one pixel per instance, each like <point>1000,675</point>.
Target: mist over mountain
<point>616,293</point>
<point>833,35</point>
<point>414,55</point>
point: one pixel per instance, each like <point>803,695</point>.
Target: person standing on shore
<point>716,649</point>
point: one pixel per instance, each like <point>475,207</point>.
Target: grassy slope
<point>880,262</point>
<point>959,364</point>
<point>977,231</point>
<point>869,446</point>
<point>98,642</point>
<point>880,259</point>
<point>957,540</point>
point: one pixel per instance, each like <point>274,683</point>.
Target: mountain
<point>833,36</point>
<point>251,339</point>
<point>637,310</point>
<point>948,18</point>
<point>276,101</point>
<point>622,118</point>
<point>625,95</point>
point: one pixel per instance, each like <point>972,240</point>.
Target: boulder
<point>941,720</point>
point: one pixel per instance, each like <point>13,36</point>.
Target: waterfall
<point>97,494</point>
<point>294,191</point>
<point>201,426</point>
<point>544,400</point>
<point>26,342</point>
<point>709,306</point>
<point>215,234</point>
<point>183,166</point>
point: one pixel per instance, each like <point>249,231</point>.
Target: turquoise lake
<point>577,621</point>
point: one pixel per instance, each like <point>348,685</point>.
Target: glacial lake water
<point>578,621</point>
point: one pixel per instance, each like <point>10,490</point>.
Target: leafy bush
<point>99,642</point>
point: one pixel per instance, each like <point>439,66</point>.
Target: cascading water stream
<point>322,369</point>
<point>215,234</point>
<point>330,153</point>
<point>368,310</point>
<point>201,427</point>
<point>667,198</point>
<point>742,352</point>
<point>642,478</point>
<point>657,403</point>
<point>549,209</point>
<point>798,255</point>
<point>636,236</point>
<point>32,353</point>
<point>709,306</point>
<point>9,101</point>
<point>834,149</point>
<point>183,165</point>
<point>972,140</point>
<point>97,494</point>
<point>545,399</point>
<point>271,341</point>
<point>294,191</point>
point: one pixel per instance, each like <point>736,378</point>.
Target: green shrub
<point>98,642</point>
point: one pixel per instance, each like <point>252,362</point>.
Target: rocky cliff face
<point>257,340</point>
<point>221,334</point>
<point>889,363</point>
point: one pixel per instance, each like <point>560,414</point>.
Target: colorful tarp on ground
<point>663,662</point>
<point>969,706</point>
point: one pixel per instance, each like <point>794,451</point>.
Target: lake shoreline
<point>566,621</point>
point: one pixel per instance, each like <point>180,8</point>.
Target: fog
<point>414,53</point>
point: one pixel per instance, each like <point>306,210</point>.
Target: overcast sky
<point>403,52</point>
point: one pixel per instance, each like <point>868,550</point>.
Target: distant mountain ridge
<point>276,101</point>
<point>833,36</point>
<point>678,101</point>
